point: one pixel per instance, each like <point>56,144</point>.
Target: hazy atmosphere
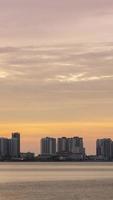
<point>56,69</point>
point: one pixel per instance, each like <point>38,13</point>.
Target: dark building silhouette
<point>70,145</point>
<point>15,143</point>
<point>104,149</point>
<point>4,148</point>
<point>10,148</point>
<point>48,146</point>
<point>67,148</point>
<point>62,145</point>
<point>75,145</point>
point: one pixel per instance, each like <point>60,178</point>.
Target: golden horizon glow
<point>33,132</point>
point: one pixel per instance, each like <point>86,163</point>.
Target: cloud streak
<point>65,82</point>
<point>3,74</point>
<point>79,78</point>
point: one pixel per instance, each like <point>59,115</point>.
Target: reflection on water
<point>52,181</point>
<point>17,172</point>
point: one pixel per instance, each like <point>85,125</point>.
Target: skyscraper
<point>16,143</point>
<point>67,148</point>
<point>48,146</point>
<point>75,145</point>
<point>62,145</point>
<point>104,148</point>
<point>3,148</point>
<point>13,148</point>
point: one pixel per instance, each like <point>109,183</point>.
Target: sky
<point>56,70</point>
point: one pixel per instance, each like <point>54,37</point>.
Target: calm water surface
<point>56,181</point>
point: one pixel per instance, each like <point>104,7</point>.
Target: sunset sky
<point>56,70</point>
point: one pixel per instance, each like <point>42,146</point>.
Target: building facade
<point>4,148</point>
<point>16,143</point>
<point>66,149</point>
<point>62,145</point>
<point>48,146</point>
<point>10,148</point>
<point>75,145</point>
<point>104,149</point>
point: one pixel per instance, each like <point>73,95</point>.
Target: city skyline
<point>61,144</point>
<point>33,143</point>
<point>55,149</point>
<point>56,69</point>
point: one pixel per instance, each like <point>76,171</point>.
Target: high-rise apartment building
<point>104,148</point>
<point>3,147</point>
<point>13,148</point>
<point>48,146</point>
<point>62,145</point>
<point>75,145</point>
<point>10,148</point>
<point>16,143</point>
<point>67,148</point>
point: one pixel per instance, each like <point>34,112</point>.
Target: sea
<point>56,181</point>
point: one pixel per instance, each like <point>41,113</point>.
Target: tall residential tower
<point>16,143</point>
<point>48,146</point>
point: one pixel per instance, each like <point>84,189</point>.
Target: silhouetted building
<point>16,144</point>
<point>13,148</point>
<point>104,148</point>
<point>68,149</point>
<point>112,149</point>
<point>10,148</point>
<point>3,148</point>
<point>62,145</point>
<point>48,146</point>
<point>75,145</point>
